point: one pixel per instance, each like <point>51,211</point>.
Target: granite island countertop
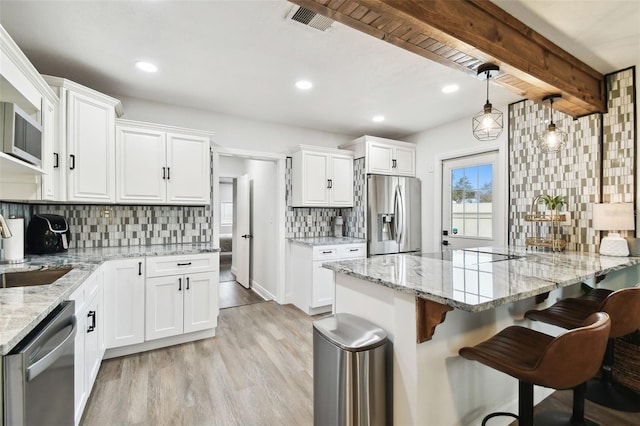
<point>483,278</point>
<point>22,308</point>
<point>327,241</point>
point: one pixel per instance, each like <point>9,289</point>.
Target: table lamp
<point>613,217</point>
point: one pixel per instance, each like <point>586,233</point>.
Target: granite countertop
<point>483,278</point>
<point>327,241</point>
<point>22,308</point>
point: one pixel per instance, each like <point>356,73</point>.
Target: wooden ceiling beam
<point>464,34</point>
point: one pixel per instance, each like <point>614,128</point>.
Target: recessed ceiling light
<point>450,88</point>
<point>146,66</point>
<point>304,84</point>
<point>377,118</point>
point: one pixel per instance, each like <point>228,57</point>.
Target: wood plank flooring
<point>256,371</point>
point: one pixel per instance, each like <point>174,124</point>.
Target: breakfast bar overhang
<point>433,304</point>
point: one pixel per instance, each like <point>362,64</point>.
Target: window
<point>226,214</point>
<point>472,201</point>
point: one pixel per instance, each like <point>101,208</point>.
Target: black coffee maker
<point>48,233</point>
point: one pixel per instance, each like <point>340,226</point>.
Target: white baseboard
<point>159,343</point>
<point>262,292</point>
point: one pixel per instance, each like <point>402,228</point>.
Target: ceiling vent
<point>310,18</point>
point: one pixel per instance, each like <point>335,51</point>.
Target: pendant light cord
<point>488,77</point>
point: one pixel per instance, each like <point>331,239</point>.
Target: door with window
<point>473,194</point>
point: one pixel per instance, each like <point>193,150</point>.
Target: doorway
<point>247,227</point>
<point>473,212</point>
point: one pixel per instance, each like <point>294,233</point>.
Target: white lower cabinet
<point>184,302</point>
<point>124,302</point>
<point>89,341</point>
<point>313,285</point>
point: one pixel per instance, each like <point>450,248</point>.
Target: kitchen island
<point>433,304</point>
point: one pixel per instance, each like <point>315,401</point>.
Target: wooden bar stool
<point>563,362</point>
<point>623,307</point>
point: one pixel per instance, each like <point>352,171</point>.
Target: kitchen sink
<point>32,278</point>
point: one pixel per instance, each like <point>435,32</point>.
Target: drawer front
<point>352,251</point>
<point>181,264</point>
<point>325,253</point>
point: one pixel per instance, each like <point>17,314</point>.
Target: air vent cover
<point>310,18</point>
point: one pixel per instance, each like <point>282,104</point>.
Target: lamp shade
<point>613,217</point>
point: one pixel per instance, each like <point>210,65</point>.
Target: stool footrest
<point>497,414</point>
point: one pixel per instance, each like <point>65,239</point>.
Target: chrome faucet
<point>5,232</point>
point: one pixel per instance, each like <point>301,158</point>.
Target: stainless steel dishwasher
<point>38,373</point>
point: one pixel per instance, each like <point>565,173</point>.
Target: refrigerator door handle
<point>402,217</point>
<point>397,214</point>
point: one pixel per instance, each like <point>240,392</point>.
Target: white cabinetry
<point>322,178</point>
<point>20,83</point>
<point>313,285</point>
<point>161,165</point>
<point>89,341</point>
<point>385,156</point>
<point>87,132</point>
<point>124,302</point>
<point>181,295</point>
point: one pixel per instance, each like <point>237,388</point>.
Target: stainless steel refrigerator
<point>394,215</point>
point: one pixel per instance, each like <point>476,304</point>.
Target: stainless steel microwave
<point>21,135</point>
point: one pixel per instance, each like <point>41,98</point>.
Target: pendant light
<point>487,124</point>
<point>552,139</point>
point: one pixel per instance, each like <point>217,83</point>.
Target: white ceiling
<point>243,57</point>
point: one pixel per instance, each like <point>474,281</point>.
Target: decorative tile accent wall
<point>574,172</point>
<point>303,222</point>
<point>356,220</point>
<point>619,153</point>
<point>126,225</point>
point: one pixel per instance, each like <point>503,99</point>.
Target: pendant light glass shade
<point>552,139</point>
<point>487,124</point>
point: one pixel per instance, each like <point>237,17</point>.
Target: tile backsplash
<point>596,165</point>
<point>112,226</point>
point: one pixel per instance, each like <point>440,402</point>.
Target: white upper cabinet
<point>322,178</point>
<point>162,165</point>
<point>87,122</point>
<point>188,169</point>
<point>385,156</point>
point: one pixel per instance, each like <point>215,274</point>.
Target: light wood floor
<point>256,371</point>
<point>231,293</point>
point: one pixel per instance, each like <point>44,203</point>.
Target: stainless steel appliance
<point>48,233</point>
<point>393,217</point>
<point>21,135</point>
<point>38,373</point>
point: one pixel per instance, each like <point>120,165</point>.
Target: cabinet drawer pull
<point>395,164</point>
<point>56,162</point>
<point>164,173</point>
<point>139,268</point>
<point>327,251</point>
<point>179,284</point>
<point>92,327</point>
<point>168,173</point>
<point>73,162</point>
<point>187,283</point>
<point>184,264</point>
<point>354,249</point>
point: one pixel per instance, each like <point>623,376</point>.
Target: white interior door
<point>473,194</point>
<point>243,228</point>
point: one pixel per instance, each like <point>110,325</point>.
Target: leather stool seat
<point>623,307</point>
<point>537,358</point>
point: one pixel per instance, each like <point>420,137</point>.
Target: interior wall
<point>432,146</point>
<point>226,196</point>
<point>231,131</point>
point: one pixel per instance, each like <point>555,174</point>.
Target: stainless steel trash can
<point>351,374</point>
